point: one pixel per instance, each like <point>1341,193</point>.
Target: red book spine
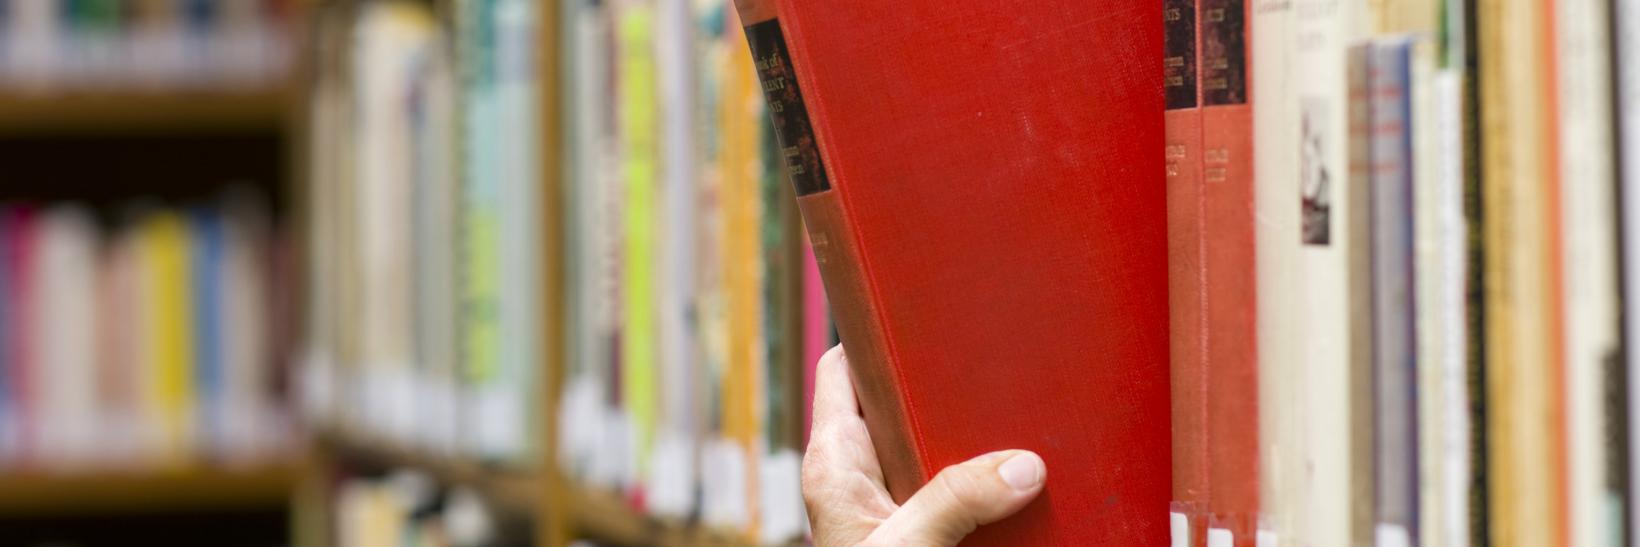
<point>1228,235</point>
<point>1184,268</point>
<point>835,252</point>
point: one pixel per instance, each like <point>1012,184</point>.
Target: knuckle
<point>966,490</point>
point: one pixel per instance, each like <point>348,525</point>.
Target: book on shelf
<point>145,44</point>
<point>142,343</point>
<point>424,205</point>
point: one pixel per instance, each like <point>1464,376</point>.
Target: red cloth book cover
<point>1231,280</point>
<point>983,184</point>
<point>1185,286</point>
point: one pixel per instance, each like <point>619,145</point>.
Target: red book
<point>1185,284</point>
<point>983,183</point>
<point>1230,281</point>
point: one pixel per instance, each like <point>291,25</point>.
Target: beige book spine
<point>1515,163</point>
<point>1279,238</point>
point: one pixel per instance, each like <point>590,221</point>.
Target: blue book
<point>1389,74</point>
<point>209,366</point>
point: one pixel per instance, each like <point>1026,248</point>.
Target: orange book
<point>1182,121</point>
<point>1230,281</point>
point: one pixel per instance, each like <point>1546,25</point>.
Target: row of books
<point>170,44</point>
<point>410,509</point>
<point>690,304</point>
<point>696,312</point>
<point>146,344</point>
<point>425,318</point>
<point>1398,296</point>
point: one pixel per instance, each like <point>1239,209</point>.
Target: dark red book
<point>983,184</point>
<point>1230,277</point>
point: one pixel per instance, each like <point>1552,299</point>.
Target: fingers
<point>962,497</point>
<point>842,481</point>
<point>833,390</point>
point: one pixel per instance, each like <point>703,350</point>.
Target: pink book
<point>19,227</point>
<point>816,331</point>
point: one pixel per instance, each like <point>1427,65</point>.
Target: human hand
<point>843,482</point>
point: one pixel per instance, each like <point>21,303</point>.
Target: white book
<point>388,38</point>
<point>35,37</point>
<point>1279,232</point>
<point>64,306</point>
<point>586,106</point>
<point>250,420</point>
<point>437,311</point>
<point>672,478</point>
<point>1590,286</point>
<point>1329,279</point>
<point>318,377</point>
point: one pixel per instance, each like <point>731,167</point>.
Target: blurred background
<point>352,272</point>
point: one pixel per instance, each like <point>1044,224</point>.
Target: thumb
<point>962,497</point>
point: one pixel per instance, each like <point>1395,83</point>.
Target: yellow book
<point>166,265</point>
<point>639,146</point>
<point>742,171</point>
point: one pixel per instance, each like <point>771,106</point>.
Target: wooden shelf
<point>35,494</point>
<point>513,492</point>
<point>605,517</point>
<point>134,111</point>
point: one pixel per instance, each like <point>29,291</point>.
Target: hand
<point>843,482</point>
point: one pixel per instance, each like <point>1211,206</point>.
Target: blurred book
<point>55,45</point>
<point>142,343</point>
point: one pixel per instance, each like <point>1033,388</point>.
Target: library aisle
<point>377,273</point>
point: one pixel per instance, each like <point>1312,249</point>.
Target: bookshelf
<point>36,494</point>
<point>140,112</point>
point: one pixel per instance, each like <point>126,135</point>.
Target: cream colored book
<point>1335,487</point>
<point>386,37</point>
<point>1276,132</point>
<point>1589,283</point>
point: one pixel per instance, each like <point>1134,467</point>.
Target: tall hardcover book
<point>1336,484</point>
<point>1389,74</point>
<point>1186,323</point>
<point>743,379</point>
<point>1589,274</point>
<point>779,463</point>
<point>19,227</point>
<point>1286,467</point>
<point>1230,289</point>
<point>63,311</point>
<point>640,162</point>
<point>940,220</point>
<point>1358,231</point>
<point>169,384</point>
<point>1521,377</point>
<point>672,479</point>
